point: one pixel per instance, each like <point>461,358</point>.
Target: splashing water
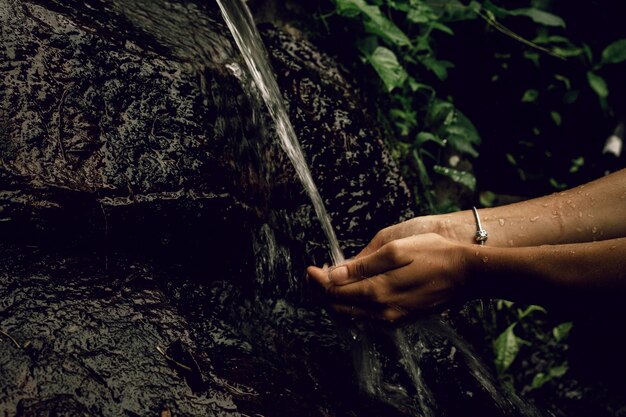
<point>406,345</point>
<point>241,24</point>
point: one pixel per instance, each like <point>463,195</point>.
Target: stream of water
<point>241,24</point>
<point>380,354</point>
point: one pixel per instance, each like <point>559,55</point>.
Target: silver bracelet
<point>481,234</point>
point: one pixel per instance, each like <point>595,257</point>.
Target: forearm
<point>548,273</point>
<point>593,211</point>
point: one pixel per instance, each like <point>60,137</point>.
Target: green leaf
<point>455,127</point>
<point>557,185</point>
<point>556,117</point>
<point>439,68</point>
<point>487,198</point>
<point>460,177</point>
<point>443,28</point>
<point>577,164</point>
<point>387,30</point>
<point>571,96</point>
<point>561,331</point>
<point>376,24</point>
<point>615,52</point>
<point>388,68</point>
<point>424,137</point>
<point>598,84</point>
<point>530,96</point>
<point>506,347</point>
<point>564,79</point>
<point>529,310</point>
<point>539,16</point>
<point>555,372</point>
<point>511,159</point>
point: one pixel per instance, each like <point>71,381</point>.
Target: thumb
<point>389,257</point>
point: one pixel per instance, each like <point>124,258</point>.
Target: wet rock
<point>144,201</point>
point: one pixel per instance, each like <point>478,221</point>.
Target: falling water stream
<point>371,363</point>
<point>241,24</point>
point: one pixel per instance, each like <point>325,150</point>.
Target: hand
<point>459,227</point>
<point>404,275</point>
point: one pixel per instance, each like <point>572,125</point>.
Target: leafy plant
<point>508,344</point>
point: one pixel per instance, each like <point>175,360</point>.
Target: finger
<point>319,275</point>
<point>370,291</point>
<point>391,256</point>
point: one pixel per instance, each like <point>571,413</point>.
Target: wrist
<point>480,264</point>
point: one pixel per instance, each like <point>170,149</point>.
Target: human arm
<point>593,211</point>
<point>425,271</point>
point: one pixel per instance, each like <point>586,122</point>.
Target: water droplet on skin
<point>563,193</point>
<point>544,205</point>
<point>477,253</point>
<point>580,214</point>
<point>501,221</point>
<point>572,252</point>
<point>534,219</point>
<point>594,230</point>
<point>579,229</point>
<point>612,247</point>
<point>510,243</point>
<point>485,259</point>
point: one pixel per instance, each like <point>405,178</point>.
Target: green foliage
<point>399,41</point>
<point>542,377</point>
<point>386,65</point>
<point>614,53</point>
<point>561,331</point>
<point>506,348</point>
<point>598,84</point>
<point>527,329</point>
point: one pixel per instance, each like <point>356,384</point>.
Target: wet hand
<point>456,227</point>
<point>402,276</point>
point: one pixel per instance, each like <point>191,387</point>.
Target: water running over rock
<point>241,24</point>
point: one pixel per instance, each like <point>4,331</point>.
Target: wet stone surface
<point>89,341</point>
<point>144,204</point>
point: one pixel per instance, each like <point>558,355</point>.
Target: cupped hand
<point>456,227</point>
<point>402,276</point>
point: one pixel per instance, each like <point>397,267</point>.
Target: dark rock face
<point>144,204</point>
